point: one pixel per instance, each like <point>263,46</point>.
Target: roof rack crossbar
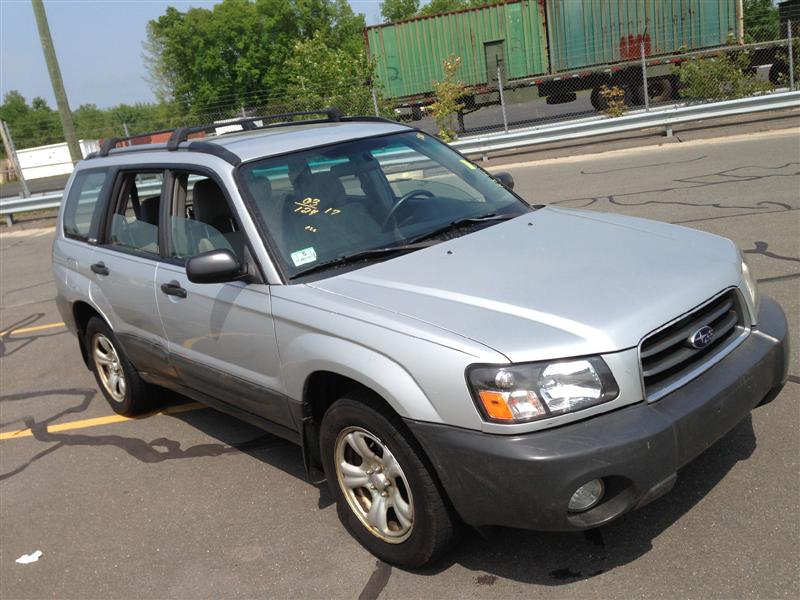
<point>368,118</point>
<point>113,142</point>
<point>249,123</point>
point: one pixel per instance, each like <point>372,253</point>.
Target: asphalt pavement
<point>192,503</point>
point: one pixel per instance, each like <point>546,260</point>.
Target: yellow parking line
<point>30,329</point>
<point>84,423</point>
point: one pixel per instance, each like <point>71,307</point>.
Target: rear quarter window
<point>82,207</point>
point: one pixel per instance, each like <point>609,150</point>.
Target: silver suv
<point>440,349</point>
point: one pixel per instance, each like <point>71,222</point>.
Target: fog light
<point>586,496</point>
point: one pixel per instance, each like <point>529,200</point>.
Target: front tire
<point>598,102</point>
<point>116,377</point>
<point>659,89</point>
<point>385,492</point>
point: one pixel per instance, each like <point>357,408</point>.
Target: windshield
<point>326,204</point>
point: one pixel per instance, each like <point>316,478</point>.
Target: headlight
<point>532,391</point>
<point>750,285</point>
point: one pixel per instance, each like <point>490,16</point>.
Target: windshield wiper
<point>355,257</point>
<point>458,223</point>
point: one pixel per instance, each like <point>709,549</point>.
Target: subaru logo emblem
<point>702,337</point>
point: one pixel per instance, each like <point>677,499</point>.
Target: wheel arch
<point>82,312</point>
<point>326,382</point>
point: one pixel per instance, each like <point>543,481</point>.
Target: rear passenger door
<point>123,268</point>
<point>221,335</point>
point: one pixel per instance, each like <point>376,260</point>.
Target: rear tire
<point>385,491</point>
<point>116,377</point>
<point>779,73</point>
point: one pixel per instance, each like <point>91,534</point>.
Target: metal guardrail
<point>18,204</point>
<point>595,126</point>
<point>523,138</point>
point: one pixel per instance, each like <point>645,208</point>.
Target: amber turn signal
<point>495,405</point>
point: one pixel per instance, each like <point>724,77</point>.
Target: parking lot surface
<point>191,503</point>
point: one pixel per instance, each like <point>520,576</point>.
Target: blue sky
<point>99,47</point>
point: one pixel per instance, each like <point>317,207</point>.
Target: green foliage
<point>319,76</point>
<point>761,21</point>
<point>31,125</point>
<point>448,94</point>
<point>227,56</point>
<point>723,77</point>
<point>439,6</point>
<point>37,124</point>
<point>614,98</point>
<point>397,10</point>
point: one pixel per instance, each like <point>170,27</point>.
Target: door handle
<point>99,268</point>
<point>173,288</point>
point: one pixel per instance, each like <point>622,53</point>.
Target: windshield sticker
<point>420,137</point>
<point>307,206</point>
<point>304,256</point>
<point>468,164</point>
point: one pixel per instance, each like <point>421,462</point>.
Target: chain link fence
<point>647,82</point>
<point>761,62</point>
<point>644,80</point>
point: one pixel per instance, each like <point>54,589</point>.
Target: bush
<point>614,98</point>
<point>724,77</point>
<point>448,94</point>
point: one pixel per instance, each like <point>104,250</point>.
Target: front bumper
<point>526,481</point>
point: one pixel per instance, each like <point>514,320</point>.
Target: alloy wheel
<point>374,485</point>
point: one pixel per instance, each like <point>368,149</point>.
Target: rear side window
<point>81,209</point>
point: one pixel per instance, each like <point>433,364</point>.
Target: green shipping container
<point>581,33</point>
<point>594,32</point>
<point>409,54</point>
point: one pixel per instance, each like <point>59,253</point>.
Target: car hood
<point>551,283</point>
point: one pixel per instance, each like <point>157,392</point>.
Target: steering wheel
<point>401,201</point>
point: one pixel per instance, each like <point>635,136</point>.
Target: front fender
<point>310,352</point>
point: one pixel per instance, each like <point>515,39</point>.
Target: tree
<point>233,55</point>
<point>321,76</point>
<point>33,125</point>
<point>14,107</point>
<point>37,124</point>
<point>397,10</point>
<point>761,21</point>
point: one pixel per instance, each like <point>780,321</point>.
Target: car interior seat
<point>211,208</point>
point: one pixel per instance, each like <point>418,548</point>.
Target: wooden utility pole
<point>58,83</point>
<point>740,22</point>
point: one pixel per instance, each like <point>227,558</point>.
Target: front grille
<point>668,357</point>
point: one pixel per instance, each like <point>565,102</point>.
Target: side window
<point>82,204</point>
<point>134,224</point>
<point>201,219</point>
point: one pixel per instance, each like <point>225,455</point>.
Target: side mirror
<point>216,266</point>
<point>505,178</point>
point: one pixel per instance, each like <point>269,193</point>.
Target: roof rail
<point>249,123</point>
<point>112,142</point>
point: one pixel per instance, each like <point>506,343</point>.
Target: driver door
<point>221,337</point>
